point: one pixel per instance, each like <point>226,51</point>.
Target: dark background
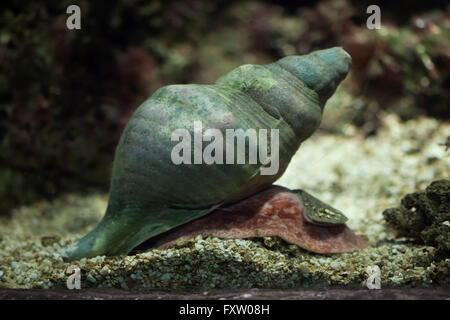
<point>65,95</point>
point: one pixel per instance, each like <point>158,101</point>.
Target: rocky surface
<point>425,216</point>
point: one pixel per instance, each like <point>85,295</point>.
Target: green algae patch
<point>424,216</point>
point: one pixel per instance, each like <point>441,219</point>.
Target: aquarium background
<point>65,95</point>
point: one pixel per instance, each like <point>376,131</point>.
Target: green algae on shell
<point>149,194</point>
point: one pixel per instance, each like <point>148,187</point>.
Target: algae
<point>424,216</point>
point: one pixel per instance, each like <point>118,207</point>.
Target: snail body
<point>149,194</point>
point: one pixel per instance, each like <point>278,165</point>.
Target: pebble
<point>91,279</point>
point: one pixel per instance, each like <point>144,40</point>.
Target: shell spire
<point>322,70</point>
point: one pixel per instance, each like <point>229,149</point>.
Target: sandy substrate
<point>360,176</point>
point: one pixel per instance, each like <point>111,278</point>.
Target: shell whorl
<point>295,88</point>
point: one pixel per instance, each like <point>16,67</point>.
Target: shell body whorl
<point>149,194</point>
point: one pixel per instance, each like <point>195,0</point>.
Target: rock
<point>423,216</point>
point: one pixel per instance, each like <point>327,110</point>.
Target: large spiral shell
<point>149,194</point>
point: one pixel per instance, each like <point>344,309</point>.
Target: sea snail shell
<point>149,194</point>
